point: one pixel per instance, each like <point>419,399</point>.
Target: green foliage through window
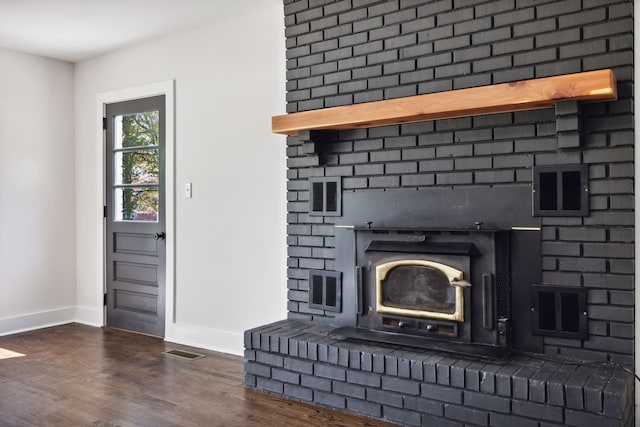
<point>140,166</point>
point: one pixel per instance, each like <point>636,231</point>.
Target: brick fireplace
<point>553,330</point>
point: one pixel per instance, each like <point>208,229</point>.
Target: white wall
<point>231,236</point>
<point>37,232</point>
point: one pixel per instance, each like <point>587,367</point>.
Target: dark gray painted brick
<point>443,394</point>
<point>332,372</point>
<point>489,36</point>
<point>249,380</point>
<point>464,150</point>
<point>364,378</point>
<point>476,25</point>
<point>487,402</point>
<point>557,8</point>
<point>417,180</point>
<point>520,382</point>
<point>354,361</point>
<point>610,281</point>
<point>503,380</point>
<point>438,33</point>
<point>472,376</point>
<point>488,378</point>
<point>349,390</point>
<point>535,27</point>
<point>343,357</point>
<point>403,416</point>
<point>404,368</point>
<point>582,234</point>
<point>509,18</point>
<point>513,74</point>
<point>270,359</point>
<point>285,376</point>
<point>391,365</point>
<point>458,373</point>
<point>616,345</point>
<point>454,178</point>
<point>401,168</point>
<point>473,135</point>
<point>329,399</point>
<point>326,22</point>
<point>467,415</point>
<point>555,387</point>
<point>384,397</point>
<point>581,18</point>
<point>400,385</point>
<point>416,51</point>
<point>269,385</point>
<point>494,7</point>
<point>315,383</point>
<point>473,163</point>
<point>435,86</point>
<point>443,371</point>
<point>548,39</point>
<point>579,418</point>
<point>609,250</point>
<point>537,410</point>
<point>452,43</point>
<point>502,420</point>
<point>472,80</point>
<point>424,406</point>
<point>453,70</point>
<point>354,183</point>
<point>258,370</point>
<point>365,408</point>
<point>431,421</point>
<point>366,361</point>
<point>369,169</point>
<point>622,330</point>
<point>511,46</point>
<point>405,67</point>
<point>298,392</point>
<point>416,370</point>
<point>378,363</point>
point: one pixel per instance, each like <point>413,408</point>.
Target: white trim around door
<point>166,88</point>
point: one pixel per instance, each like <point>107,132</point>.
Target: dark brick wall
<point>352,51</point>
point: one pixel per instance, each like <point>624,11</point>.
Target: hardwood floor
<point>76,375</point>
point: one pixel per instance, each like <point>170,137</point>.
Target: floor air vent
<point>181,354</point>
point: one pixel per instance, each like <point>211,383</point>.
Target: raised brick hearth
<point>304,361</point>
<point>346,52</point>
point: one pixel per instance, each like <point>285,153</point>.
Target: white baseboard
<point>201,337</point>
<point>30,322</point>
<point>185,334</point>
<point>90,316</point>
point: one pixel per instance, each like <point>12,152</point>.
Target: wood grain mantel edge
<point>532,94</point>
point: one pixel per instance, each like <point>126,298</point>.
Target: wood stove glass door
<point>135,215</point>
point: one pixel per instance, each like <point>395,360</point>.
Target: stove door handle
<point>461,283</point>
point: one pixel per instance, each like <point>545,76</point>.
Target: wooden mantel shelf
<point>501,98</point>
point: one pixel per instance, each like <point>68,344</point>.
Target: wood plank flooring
<point>76,375</point>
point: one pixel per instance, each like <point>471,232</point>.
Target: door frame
<point>166,88</point>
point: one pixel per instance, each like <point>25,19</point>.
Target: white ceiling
<point>74,30</point>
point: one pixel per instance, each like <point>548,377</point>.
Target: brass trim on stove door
<point>456,279</point>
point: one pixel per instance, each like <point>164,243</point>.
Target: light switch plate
<point>187,190</point>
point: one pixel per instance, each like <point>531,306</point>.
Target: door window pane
<point>137,130</point>
<point>136,167</point>
<point>136,204</point>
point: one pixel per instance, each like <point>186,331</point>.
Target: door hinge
<point>104,300</point>
<point>104,211</point>
<point>104,123</point>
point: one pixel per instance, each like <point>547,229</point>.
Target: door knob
<point>160,236</point>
